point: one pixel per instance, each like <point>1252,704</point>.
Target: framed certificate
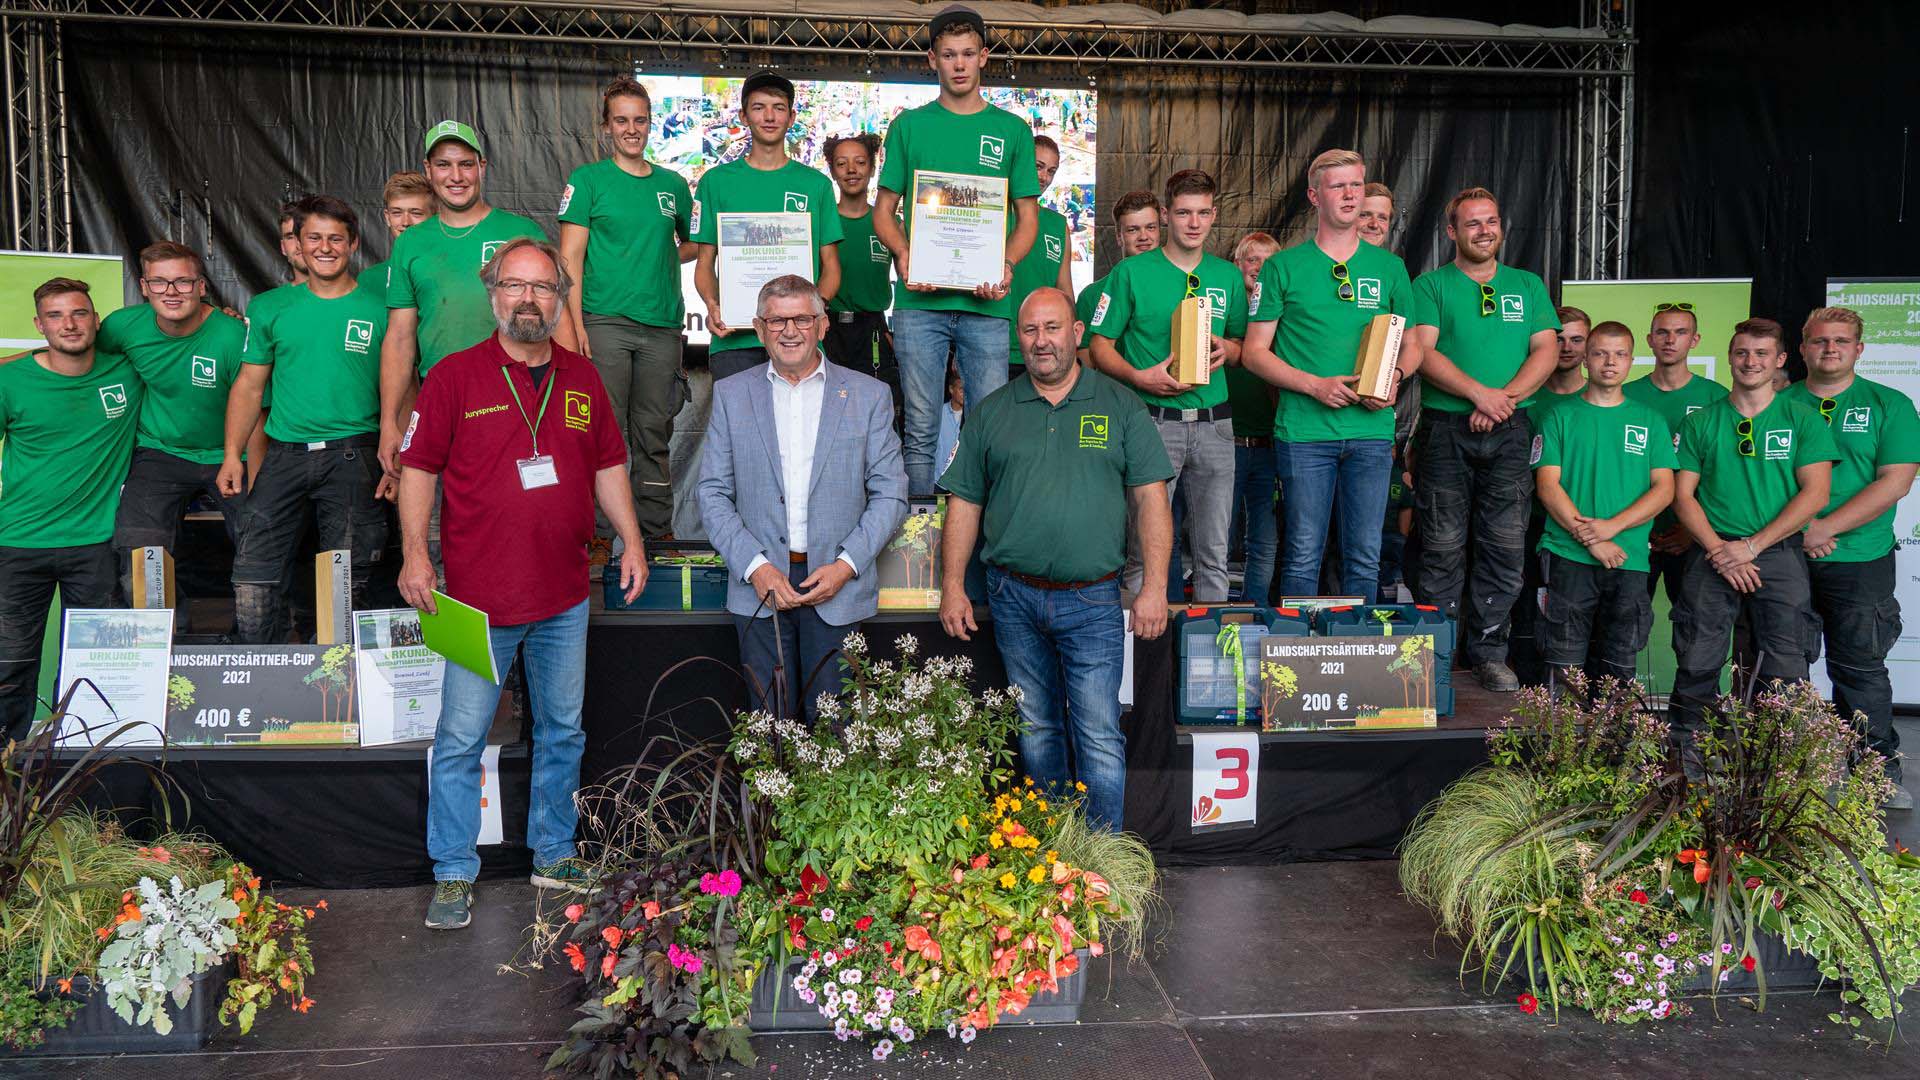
<point>959,234</point>
<point>755,249</point>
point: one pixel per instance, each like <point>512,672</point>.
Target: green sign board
<point>21,272</point>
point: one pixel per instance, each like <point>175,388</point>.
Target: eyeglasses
<point>170,285</point>
<point>1827,405</point>
<point>1193,286</point>
<point>544,290</point>
<point>1346,283</point>
<point>1681,305</point>
<point>800,322</point>
<point>1487,302</point>
<point>1744,429</point>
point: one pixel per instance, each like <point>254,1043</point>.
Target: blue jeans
<point>1312,475</point>
<point>1064,649</point>
<point>556,661</point>
<point>1253,485</point>
<point>921,341</point>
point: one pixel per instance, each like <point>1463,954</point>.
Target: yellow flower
<point>1006,881</point>
<point>964,823</point>
<point>1014,806</point>
<point>1029,781</point>
<point>994,839</point>
<point>1041,803</point>
<point>1080,787</point>
<point>1053,857</point>
<point>1034,875</point>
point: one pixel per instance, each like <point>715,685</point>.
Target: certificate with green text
<point>959,230</point>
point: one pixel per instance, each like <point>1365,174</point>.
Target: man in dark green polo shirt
<point>1051,260</point>
<point>1755,467</point>
<point>1133,343</point>
<point>67,419</point>
<point>1850,546</point>
<point>857,334</point>
<point>1487,342</point>
<point>1048,470</point>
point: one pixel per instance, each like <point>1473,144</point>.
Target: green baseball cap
<point>452,129</point>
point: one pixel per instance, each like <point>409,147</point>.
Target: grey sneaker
<point>1901,799</point>
<point>1496,676</point>
<point>452,905</point>
<point>570,875</point>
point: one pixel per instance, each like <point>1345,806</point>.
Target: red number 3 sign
<point>1226,778</point>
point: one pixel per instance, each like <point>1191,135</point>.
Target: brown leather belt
<point>1058,586</point>
<point>797,558</point>
<point>1258,442</point>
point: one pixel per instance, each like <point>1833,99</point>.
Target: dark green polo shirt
<point>1052,479</point>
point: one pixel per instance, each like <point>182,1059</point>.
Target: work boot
<point>1901,799</point>
<point>570,875</point>
<point>452,905</point>
<point>1495,675</point>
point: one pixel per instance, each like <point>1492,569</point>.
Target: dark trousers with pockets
<point>1596,619</point>
<point>1780,613</point>
<point>859,341</point>
<point>1860,617</point>
<point>85,576</point>
<point>159,487</point>
<point>1477,483</point>
<point>333,487</point>
<point>799,646</point>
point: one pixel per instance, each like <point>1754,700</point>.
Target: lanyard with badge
<point>536,471</point>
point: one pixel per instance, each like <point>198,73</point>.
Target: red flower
<point>980,861</point>
<point>612,936</point>
<point>651,909</point>
<point>574,911</point>
<point>1753,883</point>
<point>1638,896</point>
<point>607,962</point>
<point>799,942</point>
<point>795,924</point>
<point>811,880</point>
<point>1529,1004</point>
<point>575,957</point>
<point>1747,962</point>
<point>887,947</point>
<point>863,922</point>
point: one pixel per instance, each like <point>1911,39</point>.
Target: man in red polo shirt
<point>523,440</point>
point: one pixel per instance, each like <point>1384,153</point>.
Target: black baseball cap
<point>767,80</point>
<point>952,17</point>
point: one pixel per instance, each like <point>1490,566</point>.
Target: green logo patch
<point>1093,432</point>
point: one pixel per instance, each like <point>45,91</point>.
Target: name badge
<point>537,472</point>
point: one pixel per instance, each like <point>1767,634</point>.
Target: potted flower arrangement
<point>884,874</point>
<point>1584,860</point>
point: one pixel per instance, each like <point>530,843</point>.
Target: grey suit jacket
<point>856,502</point>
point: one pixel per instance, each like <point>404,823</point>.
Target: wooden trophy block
<point>333,597</point>
<point>152,578</point>
<point>1193,341</point>
<point>1379,355</point>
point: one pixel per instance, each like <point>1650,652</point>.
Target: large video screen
<point>696,125</point>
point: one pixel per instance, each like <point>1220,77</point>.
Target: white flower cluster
<point>949,667</point>
<point>907,644</point>
<point>772,783</point>
<point>854,643</point>
<point>827,705</point>
<point>916,687</point>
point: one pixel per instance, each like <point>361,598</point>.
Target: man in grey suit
<point>801,487</point>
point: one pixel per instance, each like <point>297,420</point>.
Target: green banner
<point>1719,304</point>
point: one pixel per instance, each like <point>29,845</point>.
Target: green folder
<point>462,634</point>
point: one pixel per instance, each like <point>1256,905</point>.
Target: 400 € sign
<point>273,695</point>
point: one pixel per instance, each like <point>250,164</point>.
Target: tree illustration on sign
<point>333,681</point>
<point>1277,683</point>
<point>915,545</point>
<point>1410,665</point>
<point>180,693</point>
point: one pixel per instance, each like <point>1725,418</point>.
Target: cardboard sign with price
<point>1226,779</point>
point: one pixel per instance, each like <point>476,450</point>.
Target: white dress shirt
<point>796,423</point>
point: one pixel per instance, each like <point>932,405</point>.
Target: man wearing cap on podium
<point>436,302</point>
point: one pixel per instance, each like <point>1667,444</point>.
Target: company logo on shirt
<point>1858,419</point>
<point>993,150</point>
<point>1539,443</point>
<point>204,371</point>
<point>1513,308</point>
<point>113,399</point>
<point>1054,249</point>
<point>413,423</point>
<point>1217,302</point>
<point>359,335</point>
<point>1366,292</point>
<point>877,251</point>
<point>796,203</point>
<point>1691,409</point>
<point>1636,440</point>
<point>566,199</point>
<point>696,216</point>
<point>669,205</point>
<point>1779,445</point>
<point>578,410</point>
<point>488,248</point>
<point>1093,432</point>
<point>1100,309</point>
<point>1253,302</point>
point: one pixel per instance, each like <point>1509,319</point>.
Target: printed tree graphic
<point>915,545</point>
<point>180,693</point>
<point>334,682</point>
<point>1410,665</point>
<point>1277,683</point>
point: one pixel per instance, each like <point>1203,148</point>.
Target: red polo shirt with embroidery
<point>519,555</point>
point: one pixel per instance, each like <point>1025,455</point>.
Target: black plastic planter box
<point>777,1006</point>
<point>97,1029</point>
<point>1785,969</point>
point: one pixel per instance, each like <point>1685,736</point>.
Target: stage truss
<point>38,199</point>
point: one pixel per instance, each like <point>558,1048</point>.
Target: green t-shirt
<point>634,227</point>
<point>377,279</point>
<point>436,270</point>
<point>1873,426</point>
<point>187,378</point>
<point>1083,306</point>
<point>1052,480</point>
<point>1548,399</point>
<point>866,268</point>
<point>1606,455</point>
<point>738,188</point>
<point>1742,494</point>
<point>1319,333</point>
<point>1136,309</point>
<point>1488,348</point>
<point>1253,401</point>
<point>991,142</point>
<point>1039,270</point>
<point>1674,406</point>
<point>65,441</point>
<point>326,362</point>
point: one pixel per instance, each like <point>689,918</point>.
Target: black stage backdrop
<point>199,136</point>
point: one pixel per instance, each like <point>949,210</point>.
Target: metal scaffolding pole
<point>1603,153</point>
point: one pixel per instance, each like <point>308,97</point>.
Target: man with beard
<point>520,434</point>
<point>1486,333</point>
<point>67,417</point>
<point>320,346</point>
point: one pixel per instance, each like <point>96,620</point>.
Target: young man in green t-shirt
<point>1755,467</point>
<point>624,225</point>
<point>1256,523</point>
<point>1136,227</point>
<point>1850,545</point>
<point>957,132</point>
<point>857,333</point>
<point>1133,343</point>
<point>405,201</point>
<point>433,293</point>
<point>1487,338</point>
<point>188,354</point>
<point>1051,260</point>
<point>1313,303</point>
<point>320,346</point>
<point>1564,385</point>
<point>1674,391</point>
<point>1603,467</point>
<point>67,420</point>
<point>763,181</point>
